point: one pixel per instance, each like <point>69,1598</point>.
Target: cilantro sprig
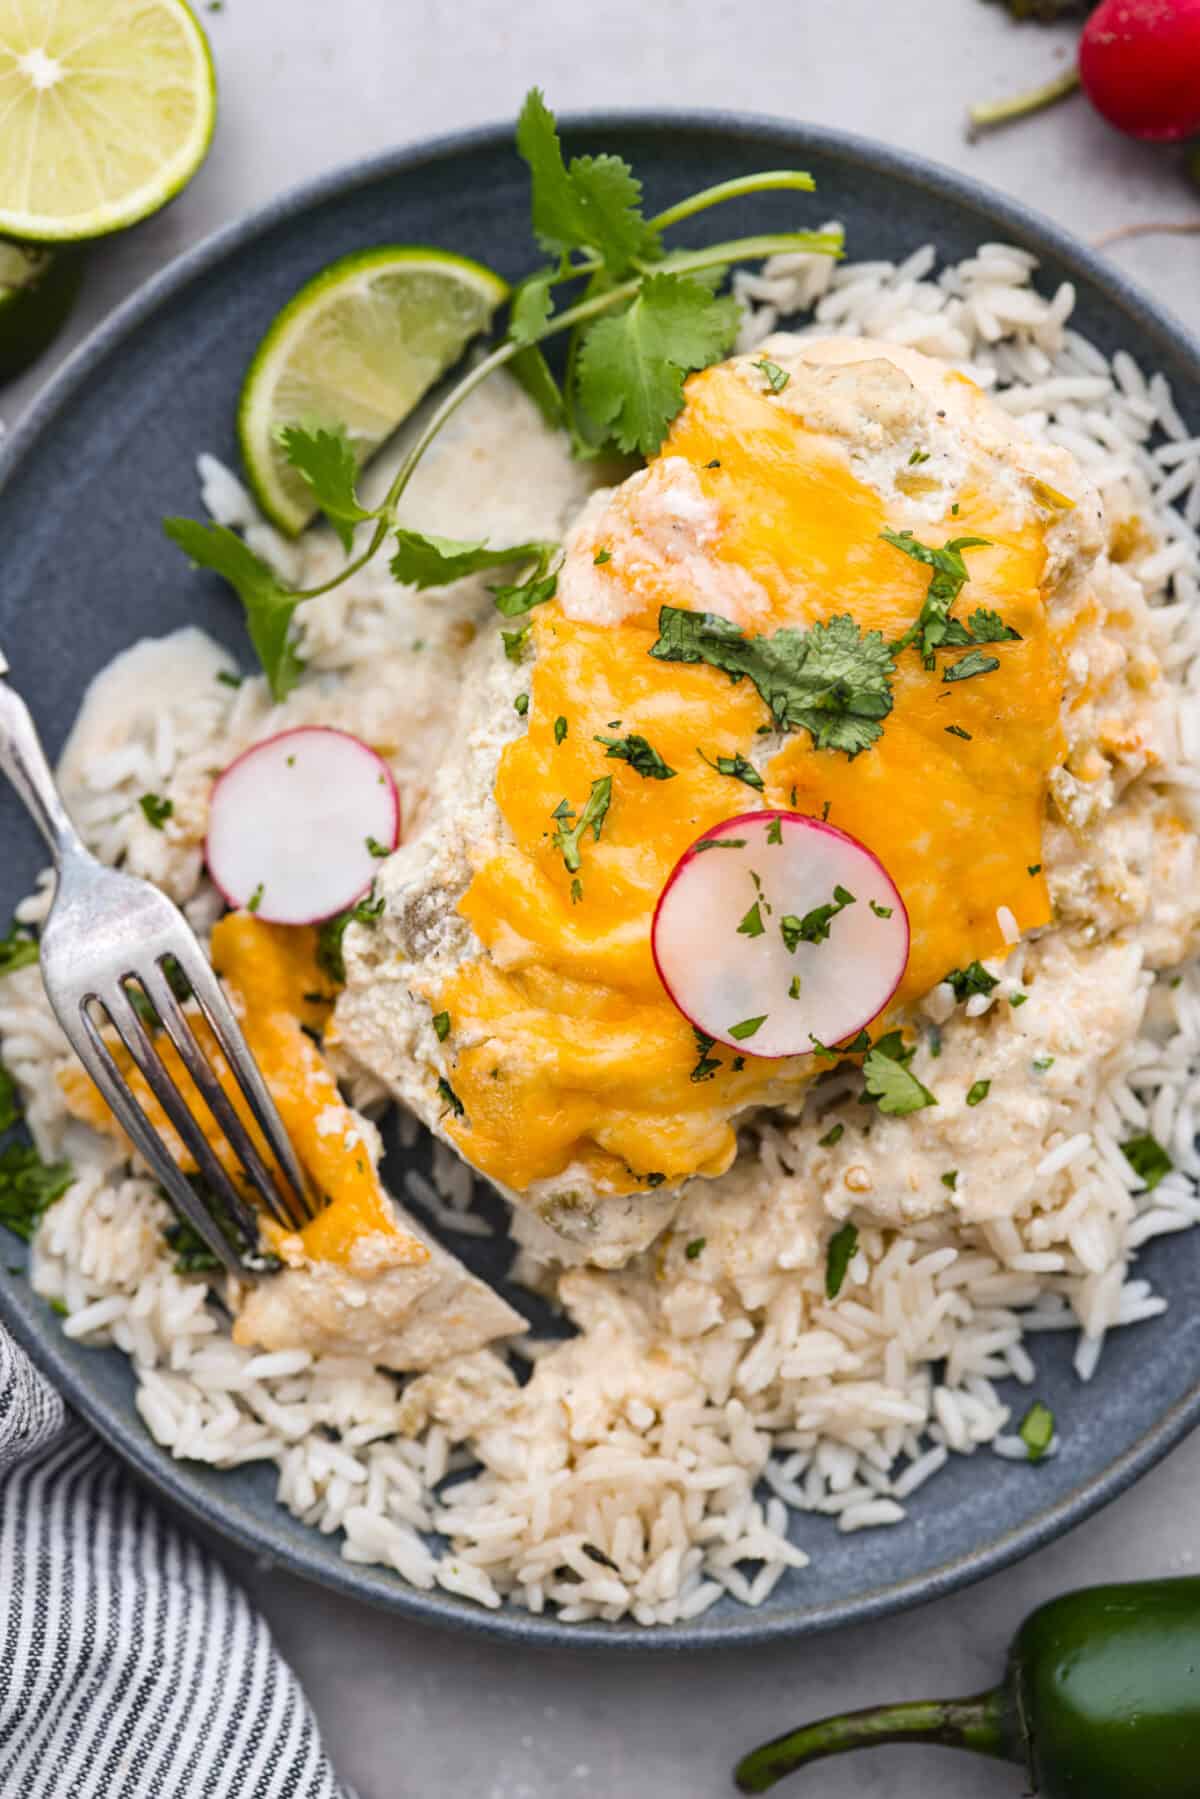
<point>934,629</point>
<point>571,831</point>
<point>641,317</point>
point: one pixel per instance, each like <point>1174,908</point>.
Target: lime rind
<point>46,226</point>
<point>357,348</point>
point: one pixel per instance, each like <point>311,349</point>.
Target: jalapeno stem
<point>977,1724</point>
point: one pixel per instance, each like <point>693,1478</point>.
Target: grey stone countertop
<point>306,87</point>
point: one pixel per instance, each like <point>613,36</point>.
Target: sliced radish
<point>775,929</point>
<point>296,826</point>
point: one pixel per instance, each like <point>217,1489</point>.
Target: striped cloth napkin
<point>131,1665</point>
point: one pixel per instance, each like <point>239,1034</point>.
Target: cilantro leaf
<point>707,1065</point>
<point>594,203</point>
<point>747,1027</point>
<point>934,626</point>
<point>695,1248</point>
<point>426,561</point>
<point>838,1257</point>
<point>514,643</point>
<point>988,627</point>
<point>1147,1157</point>
<point>831,680</point>
<point>738,767</point>
<point>18,949</point>
<point>531,307</point>
<point>569,838</point>
<point>775,377</point>
<point>641,756</point>
<point>29,1187</point>
<point>632,363</point>
<point>976,663</point>
<point>326,461</point>
<point>329,935</point>
<point>978,1091</point>
<point>446,1092</point>
<point>974,978</point>
<point>516,598</point>
<point>269,605</point>
<point>888,1081</point>
<point>752,925</point>
<point>156,810</point>
<point>814,926</point>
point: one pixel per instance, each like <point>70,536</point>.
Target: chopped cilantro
<point>794,988</point>
<point>888,1081</point>
<point>576,891</point>
<point>560,728</point>
<point>832,680</point>
<point>718,843</point>
<point>1148,1159</point>
<point>256,899</point>
<point>377,849</point>
<point>515,641</point>
<point>1017,999</point>
<point>707,1065</point>
<point>1035,868</point>
<point>521,704</point>
<point>1036,1430</point>
<point>838,1258</point>
<point>695,1248</point>
<point>974,663</point>
<point>1042,1063</point>
<point>814,926</point>
<point>29,1187</point>
<point>655,1180</point>
<point>641,756</point>
<point>775,830</point>
<point>974,978</point>
<point>934,629</point>
<point>735,766</point>
<point>957,731</point>
<point>10,1105</point>
<point>950,1179</point>
<point>330,959</point>
<point>738,1063</point>
<point>156,810</point>
<point>918,456</point>
<point>880,911</point>
<point>747,1028</point>
<point>833,1135</point>
<point>715,463</point>
<point>228,679</point>
<point>568,838</point>
<point>978,1092</point>
<point>446,1092</point>
<point>18,949</point>
<point>935,1042</point>
<point>752,925</point>
<point>601,557</point>
<point>775,377</point>
<point>441,1024</point>
<point>325,458</point>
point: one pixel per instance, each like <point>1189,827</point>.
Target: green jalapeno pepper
<point>1100,1700</point>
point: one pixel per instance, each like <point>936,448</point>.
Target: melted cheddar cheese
<point>271,975</point>
<point>569,1053</point>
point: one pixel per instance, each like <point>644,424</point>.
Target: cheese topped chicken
<point>508,992</point>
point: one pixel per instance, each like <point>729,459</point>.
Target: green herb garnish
<point>747,1028</point>
<point>514,643</point>
<point>695,1248</point>
<point>560,729</point>
<point>794,987</point>
<point>775,830</point>
<point>975,663</point>
<point>752,925</point>
<point>950,1179</point>
<point>377,849</point>
<point>156,810</point>
<point>29,1187</point>
<point>446,1092</point>
<point>735,766</point>
<point>718,843</point>
<point>10,1105</point>
<point>1148,1159</point>
<point>707,1065</point>
<point>888,1081</point>
<point>441,1024</point>
<point>641,756</point>
<point>521,705</point>
<point>568,838</point>
<point>775,377</point>
<point>978,1092</point>
<point>601,557</point>
<point>934,629</point>
<point>880,911</point>
<point>838,1258</point>
<point>256,899</point>
<point>814,926</point>
<point>19,949</point>
<point>957,731</point>
<point>974,978</point>
<point>330,959</point>
<point>833,1135</point>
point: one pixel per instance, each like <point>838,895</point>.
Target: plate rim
<point>152,1464</point>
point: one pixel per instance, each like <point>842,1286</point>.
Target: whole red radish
<point>1139,62</point>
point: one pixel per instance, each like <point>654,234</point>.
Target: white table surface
<point>307,86</point>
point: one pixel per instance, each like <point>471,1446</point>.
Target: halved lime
<point>37,290</point>
<point>357,347</point>
<point>106,110</point>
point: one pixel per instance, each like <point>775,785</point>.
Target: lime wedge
<point>106,110</point>
<point>357,347</point>
<point>37,290</point>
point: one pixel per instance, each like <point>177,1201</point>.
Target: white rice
<point>674,1495</point>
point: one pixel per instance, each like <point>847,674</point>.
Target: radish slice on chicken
<point>776,931</point>
<point>297,825</point>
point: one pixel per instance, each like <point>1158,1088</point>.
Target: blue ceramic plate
<point>110,449</point>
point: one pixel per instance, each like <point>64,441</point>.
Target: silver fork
<point>106,936</point>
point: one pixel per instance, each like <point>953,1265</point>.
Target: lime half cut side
<point>106,110</point>
<point>357,347</point>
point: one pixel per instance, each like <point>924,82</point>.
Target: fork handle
<point>24,762</point>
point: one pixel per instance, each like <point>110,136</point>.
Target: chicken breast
<point>508,993</point>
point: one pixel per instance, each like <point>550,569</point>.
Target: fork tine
<point>178,1027</point>
<point>144,1051</point>
<point>210,997</point>
<point>96,1057</point>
